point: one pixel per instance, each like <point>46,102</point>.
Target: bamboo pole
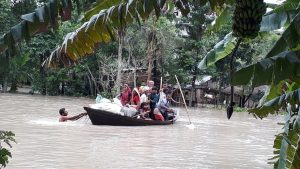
<point>183,99</point>
<point>160,86</point>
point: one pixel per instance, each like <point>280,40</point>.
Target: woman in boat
<point>125,95</point>
<point>135,99</point>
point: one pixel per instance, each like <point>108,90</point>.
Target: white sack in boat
<point>128,111</point>
<point>117,101</point>
<point>110,107</point>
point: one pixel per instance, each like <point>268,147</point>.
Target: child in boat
<point>64,115</point>
<point>144,110</point>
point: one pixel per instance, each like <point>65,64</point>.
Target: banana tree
<point>279,70</point>
<point>40,20</point>
<point>102,27</point>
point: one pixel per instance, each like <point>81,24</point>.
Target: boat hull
<point>101,117</point>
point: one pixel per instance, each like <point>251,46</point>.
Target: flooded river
<point>44,143</point>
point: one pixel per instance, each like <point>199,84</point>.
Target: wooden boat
<point>102,117</point>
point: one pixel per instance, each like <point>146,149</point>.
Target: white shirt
<point>143,98</point>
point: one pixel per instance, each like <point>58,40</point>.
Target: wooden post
<point>183,99</point>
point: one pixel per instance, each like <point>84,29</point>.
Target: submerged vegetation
<point>6,137</point>
<point>161,38</point>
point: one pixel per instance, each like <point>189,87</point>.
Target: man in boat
<point>144,94</point>
<point>64,116</point>
<point>153,98</point>
<point>150,84</point>
<point>163,105</point>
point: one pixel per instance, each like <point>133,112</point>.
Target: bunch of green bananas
<point>247,17</point>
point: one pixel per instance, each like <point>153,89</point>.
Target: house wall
<point>128,77</point>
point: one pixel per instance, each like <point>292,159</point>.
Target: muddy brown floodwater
<point>44,143</point>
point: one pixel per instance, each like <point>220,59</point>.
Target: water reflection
<point>44,143</point>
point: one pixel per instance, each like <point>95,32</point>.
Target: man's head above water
<point>63,112</point>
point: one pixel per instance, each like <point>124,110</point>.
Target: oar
<point>183,99</point>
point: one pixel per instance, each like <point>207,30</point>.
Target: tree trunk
<point>4,89</point>
<point>13,86</point>
<point>94,81</point>
<point>119,73</point>
<point>91,85</point>
<point>43,76</point>
<point>192,91</point>
<point>152,40</point>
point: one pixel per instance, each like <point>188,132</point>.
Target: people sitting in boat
<point>150,84</point>
<point>144,94</point>
<point>163,104</point>
<point>144,110</point>
<point>153,98</point>
<point>125,95</point>
<point>135,99</point>
<point>64,115</point>
<point>158,115</point>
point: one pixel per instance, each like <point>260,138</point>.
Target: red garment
<point>125,96</point>
<point>159,117</point>
<point>136,99</point>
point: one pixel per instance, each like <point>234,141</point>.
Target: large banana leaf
<point>269,70</point>
<point>271,21</point>
<point>274,21</point>
<point>276,104</point>
<point>216,3</point>
<point>40,20</point>
<point>220,50</point>
<point>288,5</point>
<point>286,144</point>
<point>222,18</point>
<point>100,5</point>
<point>101,28</point>
<point>281,15</point>
<point>290,38</point>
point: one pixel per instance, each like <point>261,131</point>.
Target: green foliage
<point>276,104</point>
<point>99,6</point>
<point>33,23</point>
<point>273,21</point>
<point>224,16</point>
<point>101,27</point>
<point>286,144</point>
<point>220,51</point>
<point>289,40</point>
<point>6,137</point>
<point>269,70</point>
<point>287,6</point>
<point>239,109</point>
<point>7,18</point>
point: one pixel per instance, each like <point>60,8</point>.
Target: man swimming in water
<point>64,115</point>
